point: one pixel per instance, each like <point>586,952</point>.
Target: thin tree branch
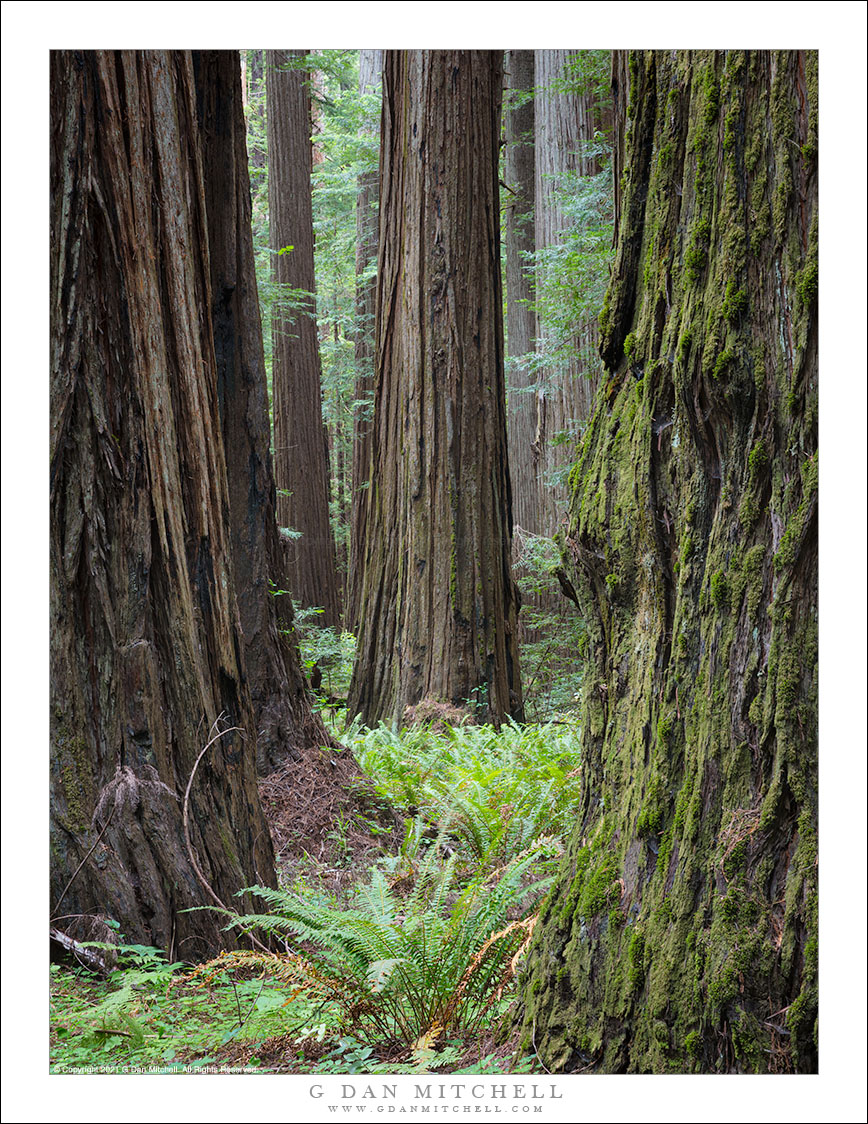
<point>83,861</point>
<point>189,842</point>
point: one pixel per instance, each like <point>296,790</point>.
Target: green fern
<point>403,970</point>
<point>496,791</point>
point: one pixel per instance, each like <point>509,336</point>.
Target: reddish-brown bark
<point>438,606</point>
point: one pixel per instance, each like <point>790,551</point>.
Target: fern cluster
<point>496,791</point>
<point>402,969</point>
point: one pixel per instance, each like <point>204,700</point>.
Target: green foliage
<point>332,650</point>
<point>496,792</point>
<point>552,636</point>
<point>571,274</point>
<point>143,1016</point>
<point>403,965</point>
<point>589,72</point>
<point>416,952</point>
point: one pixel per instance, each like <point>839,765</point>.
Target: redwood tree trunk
<point>367,236</point>
<point>256,108</point>
<point>520,316</point>
<point>146,643</point>
<point>438,604</point>
<point>564,122</point>
<point>683,934</point>
<point>285,723</point>
<point>300,442</point>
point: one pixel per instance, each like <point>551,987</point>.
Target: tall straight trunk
<point>684,926</point>
<point>341,492</point>
<point>255,77</point>
<point>285,723</point>
<point>316,88</point>
<point>300,444</point>
<point>146,643</point>
<point>519,168</point>
<point>564,122</point>
<point>438,609</point>
<point>367,234</point>
<point>620,81</point>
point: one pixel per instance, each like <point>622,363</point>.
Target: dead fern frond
<point>124,792</point>
<point>508,968</point>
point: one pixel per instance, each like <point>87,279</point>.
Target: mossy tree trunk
<point>285,723</point>
<point>438,607</point>
<point>682,935</point>
<point>301,455</point>
<point>147,649</point>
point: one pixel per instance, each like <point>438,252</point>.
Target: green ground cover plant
<point>408,968</point>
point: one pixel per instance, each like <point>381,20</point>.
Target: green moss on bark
<point>692,547</point>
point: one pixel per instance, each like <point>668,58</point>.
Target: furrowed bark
<point>300,444</point>
<point>438,606</point>
<point>682,935</point>
<point>146,643</point>
<point>367,238</point>
<point>285,723</point>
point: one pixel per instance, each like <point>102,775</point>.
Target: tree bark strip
<point>146,644</point>
<point>439,606</point>
<point>367,238</point>
<point>285,723</point>
<point>519,169</point>
<point>300,443</point>
<point>564,122</point>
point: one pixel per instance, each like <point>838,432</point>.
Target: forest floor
<point>406,898</point>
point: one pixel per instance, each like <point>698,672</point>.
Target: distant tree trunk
<point>367,232</point>
<point>620,80</point>
<point>256,107</point>
<point>316,95</point>
<point>563,123</point>
<point>683,933</point>
<point>438,610</point>
<point>520,317</point>
<point>146,645</point>
<point>300,444</point>
<point>340,442</point>
<point>285,723</point>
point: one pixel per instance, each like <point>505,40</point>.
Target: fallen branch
<point>87,956</point>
